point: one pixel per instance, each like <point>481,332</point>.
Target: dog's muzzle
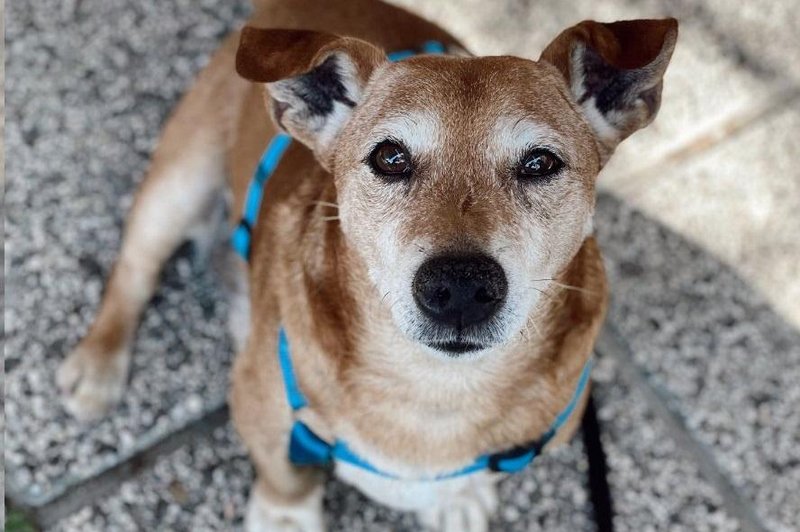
<point>460,294</point>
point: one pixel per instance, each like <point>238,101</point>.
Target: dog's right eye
<point>538,163</point>
<point>390,159</point>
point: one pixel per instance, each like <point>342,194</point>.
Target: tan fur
<point>316,258</point>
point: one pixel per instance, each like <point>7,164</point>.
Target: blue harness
<point>305,447</point>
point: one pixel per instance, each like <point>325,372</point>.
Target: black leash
<point>598,469</point>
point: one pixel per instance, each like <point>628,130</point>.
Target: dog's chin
<point>447,343</point>
<point>451,347</point>
<point>456,348</point>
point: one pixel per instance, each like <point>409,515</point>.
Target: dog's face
<point>467,184</point>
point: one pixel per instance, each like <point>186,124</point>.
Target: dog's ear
<point>615,72</point>
<point>313,80</point>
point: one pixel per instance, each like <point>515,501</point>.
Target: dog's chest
<point>408,495</point>
<point>431,419</point>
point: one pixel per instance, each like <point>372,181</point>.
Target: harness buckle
<point>519,457</point>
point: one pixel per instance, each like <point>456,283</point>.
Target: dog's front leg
<point>283,497</point>
<point>186,174</point>
<point>464,504</point>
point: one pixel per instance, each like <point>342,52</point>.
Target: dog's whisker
<point>392,301</point>
<point>326,204</point>
<point>525,332</point>
<point>329,218</point>
<point>392,305</point>
<point>536,328</point>
<point>564,286</point>
<point>576,288</point>
<point>544,293</point>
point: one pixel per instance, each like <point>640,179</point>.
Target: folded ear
<point>313,79</point>
<point>615,72</point>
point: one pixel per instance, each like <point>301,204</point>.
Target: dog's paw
<point>467,511</point>
<point>91,383</point>
<point>264,515</point>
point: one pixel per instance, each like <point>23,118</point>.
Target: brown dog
<point>426,245</point>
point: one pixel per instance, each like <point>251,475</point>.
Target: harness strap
<point>306,448</point>
<point>243,233</point>
<point>428,47</point>
<point>293,394</point>
<point>519,457</point>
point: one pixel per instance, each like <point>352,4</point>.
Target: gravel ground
<point>89,84</point>
<point>88,88</point>
<point>732,364</point>
<point>205,486</point>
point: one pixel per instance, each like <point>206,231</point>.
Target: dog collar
<point>308,449</point>
<point>305,447</point>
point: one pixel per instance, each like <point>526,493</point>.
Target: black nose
<point>460,291</point>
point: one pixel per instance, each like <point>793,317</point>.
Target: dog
<point>421,286</point>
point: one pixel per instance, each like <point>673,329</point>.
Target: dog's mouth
<point>456,347</point>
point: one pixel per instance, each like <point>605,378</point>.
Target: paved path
<point>699,418</point>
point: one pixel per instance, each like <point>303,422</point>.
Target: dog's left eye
<point>538,163</point>
<point>390,159</point>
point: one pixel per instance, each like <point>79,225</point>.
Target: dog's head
<point>464,183</point>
